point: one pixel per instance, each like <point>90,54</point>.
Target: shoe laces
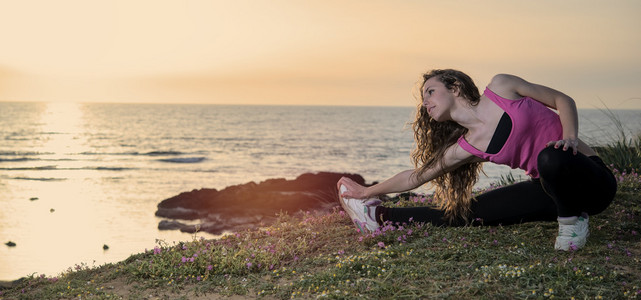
<point>567,230</point>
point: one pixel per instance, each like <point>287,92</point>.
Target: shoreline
<point>195,228</point>
<point>333,259</point>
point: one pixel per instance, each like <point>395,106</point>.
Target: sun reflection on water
<point>62,129</point>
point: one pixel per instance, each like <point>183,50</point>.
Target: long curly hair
<point>453,189</point>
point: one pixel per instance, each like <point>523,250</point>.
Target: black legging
<point>568,186</point>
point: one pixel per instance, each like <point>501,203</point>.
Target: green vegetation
<point>324,256</point>
<point>625,152</point>
<point>318,256</point>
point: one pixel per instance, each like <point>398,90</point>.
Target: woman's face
<point>437,99</point>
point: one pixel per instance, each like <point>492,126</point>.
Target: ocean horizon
<point>75,177</point>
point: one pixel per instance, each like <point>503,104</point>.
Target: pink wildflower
<point>381,244</point>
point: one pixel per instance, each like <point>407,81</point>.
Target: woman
<point>456,129</point>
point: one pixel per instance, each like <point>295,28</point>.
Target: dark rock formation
<point>251,205</point>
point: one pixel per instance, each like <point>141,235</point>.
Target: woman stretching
<point>456,129</point>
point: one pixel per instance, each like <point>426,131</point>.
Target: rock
<point>179,212</point>
<point>252,204</point>
<point>105,247</point>
<point>10,244</point>
<point>170,225</point>
<point>11,284</point>
<point>6,284</point>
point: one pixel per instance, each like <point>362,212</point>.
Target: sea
<point>79,182</point>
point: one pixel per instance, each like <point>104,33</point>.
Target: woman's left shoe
<point>573,233</point>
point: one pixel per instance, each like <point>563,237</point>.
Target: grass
<point>325,257</point>
<point>625,152</point>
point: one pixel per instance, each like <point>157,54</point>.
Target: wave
<point>23,153</point>
<point>15,159</point>
<point>106,153</point>
<point>22,159</point>
<point>39,178</point>
<point>9,138</point>
<point>109,168</point>
<point>134,153</point>
<point>40,168</point>
<point>56,168</point>
<point>184,160</point>
<point>29,155</point>
<point>160,153</point>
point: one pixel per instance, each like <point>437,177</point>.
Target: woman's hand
<point>354,190</point>
<point>566,143</point>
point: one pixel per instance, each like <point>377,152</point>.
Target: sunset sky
<point>312,52</point>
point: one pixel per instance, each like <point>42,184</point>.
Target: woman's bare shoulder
<point>505,85</point>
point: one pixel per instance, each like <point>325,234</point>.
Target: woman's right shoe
<point>362,212</point>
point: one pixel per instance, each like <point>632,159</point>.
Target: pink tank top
<point>533,126</point>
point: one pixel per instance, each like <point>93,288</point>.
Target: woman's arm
<point>407,180</point>
<point>513,86</point>
<point>403,181</point>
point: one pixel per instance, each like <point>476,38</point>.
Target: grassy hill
<point>324,256</point>
<point>318,256</point>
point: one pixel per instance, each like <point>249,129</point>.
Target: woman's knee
<point>551,161</point>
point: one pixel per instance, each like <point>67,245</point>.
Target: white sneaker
<point>573,233</point>
<point>362,212</point>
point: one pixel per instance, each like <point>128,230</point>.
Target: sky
<point>316,52</point>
